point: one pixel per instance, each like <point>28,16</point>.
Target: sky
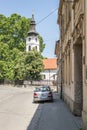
<point>45,14</point>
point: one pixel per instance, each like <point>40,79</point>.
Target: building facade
<point>49,75</point>
<point>72,20</point>
<point>59,68</point>
<point>32,40</point>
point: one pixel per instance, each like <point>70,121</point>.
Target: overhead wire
<point>46,16</point>
<point>49,40</point>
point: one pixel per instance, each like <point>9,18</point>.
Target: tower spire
<point>32,40</point>
<point>32,15</point>
<point>32,24</point>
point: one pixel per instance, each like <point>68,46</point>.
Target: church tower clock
<point>32,40</point>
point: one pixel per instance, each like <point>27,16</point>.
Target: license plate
<point>43,96</point>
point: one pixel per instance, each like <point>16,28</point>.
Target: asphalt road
<point>17,112</point>
<point>16,108</point>
<point>57,116</point>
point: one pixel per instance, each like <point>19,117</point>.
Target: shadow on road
<point>51,116</point>
<point>33,125</point>
<point>35,120</point>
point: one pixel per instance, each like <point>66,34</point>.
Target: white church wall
<point>49,74</point>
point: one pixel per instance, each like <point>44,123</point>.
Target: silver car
<point>42,93</point>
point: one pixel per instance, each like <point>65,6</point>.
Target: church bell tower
<point>32,40</point>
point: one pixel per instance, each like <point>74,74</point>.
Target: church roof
<point>32,32</point>
<point>50,63</point>
<point>32,27</point>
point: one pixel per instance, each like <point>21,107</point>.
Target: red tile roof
<point>50,63</point>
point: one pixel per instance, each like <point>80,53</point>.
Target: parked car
<point>43,93</point>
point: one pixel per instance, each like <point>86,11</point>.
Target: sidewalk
<point>56,116</point>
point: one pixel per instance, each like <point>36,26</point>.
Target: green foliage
<point>34,65</point>
<point>42,45</point>
<point>81,129</point>
<point>15,64</point>
<point>4,51</point>
<point>2,69</point>
<point>13,31</point>
<point>19,68</point>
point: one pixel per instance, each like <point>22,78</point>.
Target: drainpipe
<point>61,53</point>
<point>49,77</point>
<point>61,76</point>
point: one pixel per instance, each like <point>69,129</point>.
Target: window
<point>29,39</point>
<point>29,48</point>
<point>36,39</point>
<point>35,48</point>
<point>43,77</point>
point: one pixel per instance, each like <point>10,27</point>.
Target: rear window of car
<point>45,89</point>
<point>37,89</point>
<point>42,89</point>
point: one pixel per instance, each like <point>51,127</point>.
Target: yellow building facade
<point>72,19</point>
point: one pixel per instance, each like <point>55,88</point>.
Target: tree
<point>2,68</point>
<point>13,31</point>
<point>4,51</point>
<point>42,45</point>
<point>15,64</point>
<point>34,65</point>
<point>28,66</point>
<point>19,68</point>
<point>6,62</point>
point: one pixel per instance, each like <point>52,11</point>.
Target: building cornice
<point>59,10</point>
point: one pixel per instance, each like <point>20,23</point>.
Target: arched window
<point>36,47</point>
<point>36,39</point>
<point>29,39</point>
<point>29,48</point>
